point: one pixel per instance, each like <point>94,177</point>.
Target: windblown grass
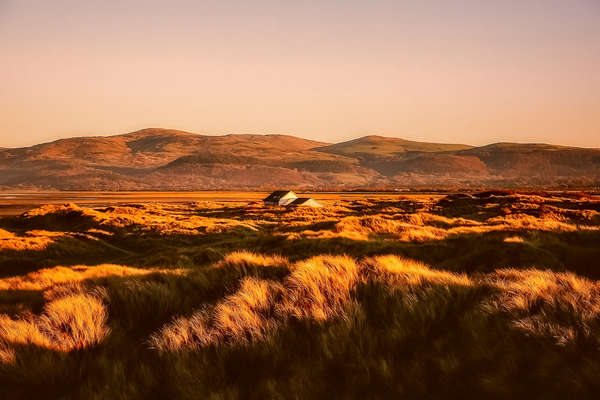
<point>48,277</point>
<point>243,261</point>
<point>317,288</point>
<point>562,306</point>
<point>31,240</point>
<point>397,271</point>
<point>489,296</point>
<point>68,323</point>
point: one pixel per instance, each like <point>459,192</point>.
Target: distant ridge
<point>381,145</point>
<point>167,159</point>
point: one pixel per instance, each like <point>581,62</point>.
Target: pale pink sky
<point>468,71</point>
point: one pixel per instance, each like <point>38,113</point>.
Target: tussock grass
<point>341,303</point>
<point>421,227</point>
<point>489,297</point>
<point>524,221</point>
<point>31,240</point>
<point>401,272</point>
<point>362,228</point>
<point>562,306</point>
<point>317,288</point>
<point>239,318</point>
<point>48,277</point>
<point>158,218</point>
<point>73,322</point>
<point>246,260</point>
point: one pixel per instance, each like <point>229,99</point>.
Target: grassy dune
<point>493,296</point>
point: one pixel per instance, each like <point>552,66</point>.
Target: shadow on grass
<point>424,341</point>
<point>63,251</point>
<point>477,252</point>
<point>14,302</point>
<point>137,306</point>
<point>434,342</point>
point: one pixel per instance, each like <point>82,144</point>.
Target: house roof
<point>277,195</point>
<point>303,200</point>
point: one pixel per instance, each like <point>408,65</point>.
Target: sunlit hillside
<point>386,146</point>
<point>167,159</point>
<point>485,295</point>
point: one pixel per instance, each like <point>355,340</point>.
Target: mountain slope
<point>514,159</point>
<point>162,159</point>
<point>151,147</point>
<point>373,146</point>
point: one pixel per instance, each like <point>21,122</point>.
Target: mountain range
<point>163,159</point>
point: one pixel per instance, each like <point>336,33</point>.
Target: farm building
<point>280,198</point>
<point>305,202</point>
<point>289,198</point>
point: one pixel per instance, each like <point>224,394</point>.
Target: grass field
<point>492,295</point>
<point>15,203</point>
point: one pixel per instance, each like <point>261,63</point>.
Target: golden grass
<point>318,289</point>
<point>422,227</point>
<point>514,239</point>
<point>239,318</point>
<point>240,260</point>
<point>400,271</point>
<point>524,288</point>
<point>72,319</point>
<point>58,209</point>
<point>424,218</point>
<point>361,228</point>
<point>539,301</point>
<point>419,224</point>
<point>6,234</point>
<point>32,240</point>
<point>298,294</point>
<point>519,221</point>
<point>245,314</point>
<point>47,277</point>
<point>321,288</point>
<point>68,323</point>
<point>159,218</point>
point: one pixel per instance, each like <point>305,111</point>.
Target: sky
<point>453,71</point>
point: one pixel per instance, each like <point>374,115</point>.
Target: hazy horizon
<point>472,72</point>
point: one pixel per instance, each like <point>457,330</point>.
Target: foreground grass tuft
<point>68,323</point>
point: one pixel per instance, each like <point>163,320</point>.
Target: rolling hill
<point>380,146</point>
<point>163,159</point>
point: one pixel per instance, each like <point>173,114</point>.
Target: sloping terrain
<point>492,295</point>
<point>161,159</point>
<point>536,160</point>
<point>501,164</point>
<point>371,146</point>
